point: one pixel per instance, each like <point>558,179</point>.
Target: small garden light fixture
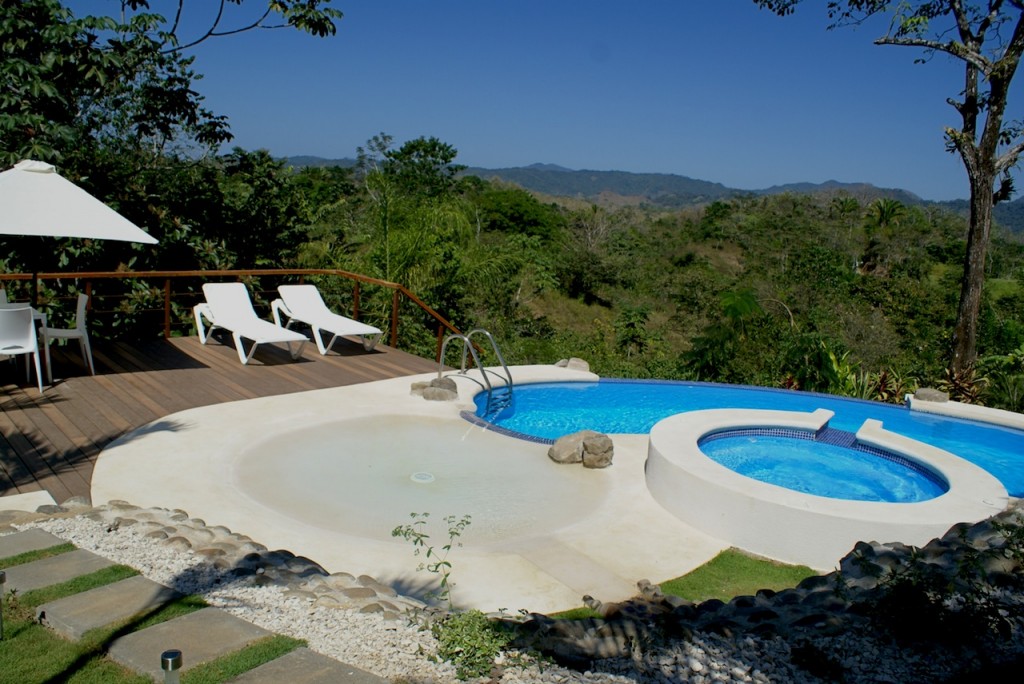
<point>170,663</point>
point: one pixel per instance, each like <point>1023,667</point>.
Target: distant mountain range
<point>671,191</point>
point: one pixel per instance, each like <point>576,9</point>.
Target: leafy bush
<point>471,641</point>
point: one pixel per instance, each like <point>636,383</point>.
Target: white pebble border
<point>401,652</point>
<point>392,649</point>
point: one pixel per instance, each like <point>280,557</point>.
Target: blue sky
<point>716,90</point>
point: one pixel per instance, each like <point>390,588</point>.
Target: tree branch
<point>1008,159</point>
<point>212,32</point>
<point>953,48</point>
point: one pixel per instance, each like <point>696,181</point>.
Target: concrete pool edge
<point>183,461</point>
<point>956,409</point>
<point>799,528</point>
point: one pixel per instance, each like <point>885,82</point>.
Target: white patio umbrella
<point>36,200</point>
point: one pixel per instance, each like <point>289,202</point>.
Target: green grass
<point>729,574</point>
<point>108,575</point>
<point>31,652</point>
<point>169,611</point>
<point>234,664</point>
<point>581,613</point>
<point>34,653</point>
<point>30,556</point>
<point>733,573</point>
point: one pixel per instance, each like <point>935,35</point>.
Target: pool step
<point>839,438</point>
<point>576,570</point>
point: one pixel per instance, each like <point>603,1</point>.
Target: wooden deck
<point>52,441</point>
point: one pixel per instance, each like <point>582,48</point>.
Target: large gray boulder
<point>438,389</point>
<point>592,449</point>
<point>597,451</point>
<point>574,364</point>
<point>931,394</point>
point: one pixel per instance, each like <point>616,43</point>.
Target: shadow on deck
<point>51,441</point>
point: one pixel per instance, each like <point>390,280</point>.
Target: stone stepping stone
<point>32,539</point>
<point>73,616</point>
<point>201,636</point>
<point>303,666</point>
<point>54,570</point>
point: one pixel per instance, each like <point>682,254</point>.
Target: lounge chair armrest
<point>201,311</point>
<point>278,307</point>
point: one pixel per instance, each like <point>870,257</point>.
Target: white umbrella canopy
<point>36,200</point>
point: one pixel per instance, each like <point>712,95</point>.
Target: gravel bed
<point>401,652</point>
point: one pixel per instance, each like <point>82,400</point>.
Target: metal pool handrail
<point>470,350</point>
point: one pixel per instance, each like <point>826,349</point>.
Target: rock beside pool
<point>592,449</point>
<point>598,452</point>
<point>574,364</point>
<point>931,394</point>
<point>438,389</point>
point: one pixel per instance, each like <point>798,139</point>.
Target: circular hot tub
<point>782,522</point>
<point>828,462</point>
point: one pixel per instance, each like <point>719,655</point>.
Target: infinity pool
<point>551,410</point>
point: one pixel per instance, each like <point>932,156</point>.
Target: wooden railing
<point>85,282</point>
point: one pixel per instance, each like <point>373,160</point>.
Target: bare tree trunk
<point>965,333</point>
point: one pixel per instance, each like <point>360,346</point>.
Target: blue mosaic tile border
<point>477,420</point>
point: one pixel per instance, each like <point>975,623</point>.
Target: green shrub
<point>471,641</point>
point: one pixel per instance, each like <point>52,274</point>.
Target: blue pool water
<point>839,472</point>
<point>551,410</point>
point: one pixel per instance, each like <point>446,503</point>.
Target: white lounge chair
<point>228,306</point>
<point>304,304</point>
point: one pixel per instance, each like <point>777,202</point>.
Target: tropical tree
<point>112,102</point>
<point>423,168</point>
<point>988,37</point>
<point>885,212</point>
<point>70,82</point>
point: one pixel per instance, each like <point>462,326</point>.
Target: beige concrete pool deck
<point>189,460</point>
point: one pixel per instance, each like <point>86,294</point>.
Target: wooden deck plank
<point>31,465</point>
<point>52,441</point>
<point>62,455</point>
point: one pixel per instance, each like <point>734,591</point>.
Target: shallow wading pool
<point>366,476</point>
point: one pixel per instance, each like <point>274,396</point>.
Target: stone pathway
<point>202,636</point>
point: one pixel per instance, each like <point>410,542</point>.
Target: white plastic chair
<point>18,336</point>
<point>79,332</point>
<point>228,306</point>
<point>304,304</point>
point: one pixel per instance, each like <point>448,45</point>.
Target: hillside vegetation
<point>816,292</point>
<point>672,191</point>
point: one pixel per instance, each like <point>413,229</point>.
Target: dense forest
<point>817,292</point>
<point>812,292</point>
